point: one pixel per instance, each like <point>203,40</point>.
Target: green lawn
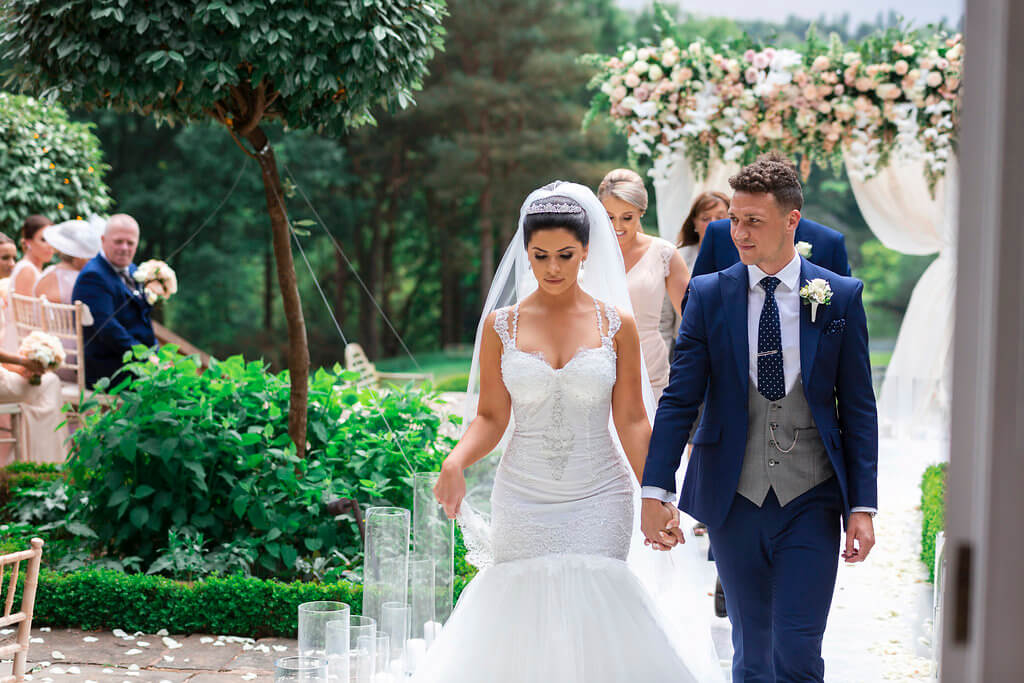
<point>452,366</point>
<point>445,365</point>
<point>880,359</point>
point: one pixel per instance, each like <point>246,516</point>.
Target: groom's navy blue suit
<point>777,564</point>
<point>717,251</point>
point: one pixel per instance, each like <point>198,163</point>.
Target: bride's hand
<point>450,488</point>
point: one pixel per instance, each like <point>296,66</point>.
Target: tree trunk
<point>298,348</point>
<point>268,294</point>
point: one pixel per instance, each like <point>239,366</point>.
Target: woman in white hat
<point>75,243</point>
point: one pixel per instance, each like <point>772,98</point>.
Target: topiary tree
<point>314,64</point>
<point>49,164</point>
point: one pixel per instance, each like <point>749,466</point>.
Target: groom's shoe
<point>720,610</point>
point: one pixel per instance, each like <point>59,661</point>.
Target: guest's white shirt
<point>787,298</point>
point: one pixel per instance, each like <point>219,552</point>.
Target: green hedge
<point>933,509</point>
<point>237,605</point>
<point>24,475</point>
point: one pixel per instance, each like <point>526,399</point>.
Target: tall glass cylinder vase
<point>362,643</point>
<point>421,598</point>
<point>313,620</point>
<point>395,623</point>
<point>337,651</point>
<point>434,537</point>
<point>386,562</point>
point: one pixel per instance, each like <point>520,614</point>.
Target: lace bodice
<point>562,486</point>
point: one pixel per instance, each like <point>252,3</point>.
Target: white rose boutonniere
<point>816,292</point>
<point>804,249</point>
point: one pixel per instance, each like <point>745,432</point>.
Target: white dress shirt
<point>787,297</point>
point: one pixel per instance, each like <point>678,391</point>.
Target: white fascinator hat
<point>77,239</point>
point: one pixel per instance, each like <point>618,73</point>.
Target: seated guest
<point>75,243</point>
<point>8,256</point>
<point>37,253</point>
<point>42,434</point>
<point>120,312</point>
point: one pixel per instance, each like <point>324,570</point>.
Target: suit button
<point>773,463</point>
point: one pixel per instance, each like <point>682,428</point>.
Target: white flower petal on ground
<point>134,667</point>
<point>168,658</point>
<point>133,651</point>
<point>45,629</point>
<point>36,640</point>
<point>90,639</point>
<point>170,643</point>
<point>219,643</point>
<point>142,643</point>
<point>280,648</point>
<point>57,654</point>
<point>248,677</point>
<point>57,671</point>
<point>74,670</point>
<point>118,633</point>
<point>205,640</point>
<point>162,632</point>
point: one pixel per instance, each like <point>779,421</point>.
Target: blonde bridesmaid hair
<point>626,185</point>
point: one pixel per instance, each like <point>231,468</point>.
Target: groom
<point>787,447</point>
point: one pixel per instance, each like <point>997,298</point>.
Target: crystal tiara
<point>553,207</point>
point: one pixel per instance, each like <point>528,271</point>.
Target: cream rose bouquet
<point>44,349</point>
<point>159,272</point>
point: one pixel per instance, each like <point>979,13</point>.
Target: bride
<point>563,361</point>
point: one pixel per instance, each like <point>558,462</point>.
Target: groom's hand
<point>860,537</point>
<point>659,523</point>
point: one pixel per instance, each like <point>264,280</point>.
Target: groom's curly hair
<point>771,173</point>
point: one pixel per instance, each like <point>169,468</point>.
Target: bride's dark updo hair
<point>552,213</point>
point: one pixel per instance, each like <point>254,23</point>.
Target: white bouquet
<point>43,348</point>
<point>157,271</point>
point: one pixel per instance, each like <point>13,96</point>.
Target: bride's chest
<point>587,378</point>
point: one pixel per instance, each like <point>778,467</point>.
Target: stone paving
<point>103,657</point>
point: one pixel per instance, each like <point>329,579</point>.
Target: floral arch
<point>885,108</point>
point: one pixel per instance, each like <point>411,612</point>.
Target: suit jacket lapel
<point>810,332</point>
<point>734,284</point>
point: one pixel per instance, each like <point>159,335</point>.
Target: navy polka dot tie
<point>771,379</point>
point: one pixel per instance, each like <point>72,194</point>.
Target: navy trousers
<point>778,569</point>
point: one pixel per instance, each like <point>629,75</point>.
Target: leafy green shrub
<point>53,166</point>
<point>195,473</point>
<point>933,510</point>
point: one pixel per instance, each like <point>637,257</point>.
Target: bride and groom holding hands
<point>784,456</point>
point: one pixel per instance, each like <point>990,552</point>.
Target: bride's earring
<point>579,275</point>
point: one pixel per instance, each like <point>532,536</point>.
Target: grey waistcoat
<point>784,450</point>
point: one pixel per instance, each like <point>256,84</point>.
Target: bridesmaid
<point>653,267</point>
<point>707,207</point>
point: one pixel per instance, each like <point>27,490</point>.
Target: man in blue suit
<point>787,446</point>
<point>120,311</point>
<point>821,245</point>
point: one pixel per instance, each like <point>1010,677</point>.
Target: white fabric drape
<point>676,190</point>
<point>905,217</point>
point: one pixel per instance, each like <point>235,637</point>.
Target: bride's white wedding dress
<point>559,603</point>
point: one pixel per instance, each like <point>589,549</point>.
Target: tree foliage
<point>50,165</point>
<point>320,64</point>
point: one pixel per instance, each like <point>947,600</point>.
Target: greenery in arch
<point>310,64</point>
